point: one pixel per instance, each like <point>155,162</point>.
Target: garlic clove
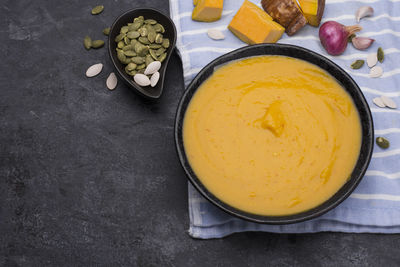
<point>372,59</point>
<point>362,43</point>
<point>364,11</point>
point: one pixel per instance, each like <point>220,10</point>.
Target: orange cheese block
<point>254,26</point>
<point>207,10</point>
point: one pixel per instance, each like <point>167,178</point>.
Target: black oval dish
<point>170,33</point>
<point>312,57</point>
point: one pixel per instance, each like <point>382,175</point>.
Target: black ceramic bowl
<point>312,57</point>
<point>170,33</point>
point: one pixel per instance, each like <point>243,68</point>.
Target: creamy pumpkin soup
<point>272,135</point>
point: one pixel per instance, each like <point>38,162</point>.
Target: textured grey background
<point>90,177</point>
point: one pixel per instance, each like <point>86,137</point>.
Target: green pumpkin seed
<point>138,60</point>
<point>151,36</point>
<point>129,53</point>
<point>141,71</point>
<point>144,51</point>
<point>153,54</point>
<point>149,59</point>
<point>119,37</point>
<point>357,64</point>
<point>165,42</point>
<point>138,46</point>
<point>142,66</point>
<point>380,55</point>
<point>131,73</point>
<point>130,67</point>
<point>150,21</point>
<point>139,19</point>
<point>124,29</point>
<point>143,31</point>
<point>106,31</point>
<point>159,28</point>
<point>382,142</point>
<point>134,26</point>
<point>133,42</point>
<point>160,51</point>
<point>162,57</point>
<point>97,44</point>
<point>120,44</point>
<point>97,10</point>
<point>121,56</point>
<point>144,40</point>
<point>127,47</point>
<point>87,42</point>
<point>159,38</point>
<point>133,34</point>
<point>154,46</point>
<point>126,40</point>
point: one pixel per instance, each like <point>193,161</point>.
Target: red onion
<point>334,36</point>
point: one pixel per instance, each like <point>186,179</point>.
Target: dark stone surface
<point>90,177</point>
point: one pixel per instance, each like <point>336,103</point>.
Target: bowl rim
<point>346,189</point>
<point>131,84</point>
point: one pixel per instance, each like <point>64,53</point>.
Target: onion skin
<point>334,36</point>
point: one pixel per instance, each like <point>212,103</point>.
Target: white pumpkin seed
<point>378,101</point>
<point>153,67</point>
<point>154,79</point>
<point>141,79</point>
<point>388,102</point>
<point>376,72</point>
<point>372,59</point>
<point>112,81</point>
<point>215,34</point>
<point>94,70</point>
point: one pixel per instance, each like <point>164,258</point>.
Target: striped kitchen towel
<point>375,205</point>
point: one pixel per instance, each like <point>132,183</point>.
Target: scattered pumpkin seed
<point>87,42</point>
<point>149,59</point>
<point>119,37</point>
<point>165,43</point>
<point>159,38</point>
<point>121,56</point>
<point>120,44</point>
<point>111,81</point>
<point>126,40</point>
<point>106,31</point>
<point>153,54</point>
<point>357,64</point>
<point>129,53</point>
<point>97,44</point>
<point>151,36</point>
<point>144,40</point>
<point>160,51</point>
<point>154,46</point>
<point>380,54</point>
<point>382,142</point>
<point>97,10</point>
<point>159,28</point>
<point>150,21</point>
<point>141,66</point>
<point>138,60</point>
<point>131,66</point>
<point>133,34</point>
<point>124,29</point>
<point>162,57</point>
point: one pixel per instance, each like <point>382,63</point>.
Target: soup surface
<point>272,135</point>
